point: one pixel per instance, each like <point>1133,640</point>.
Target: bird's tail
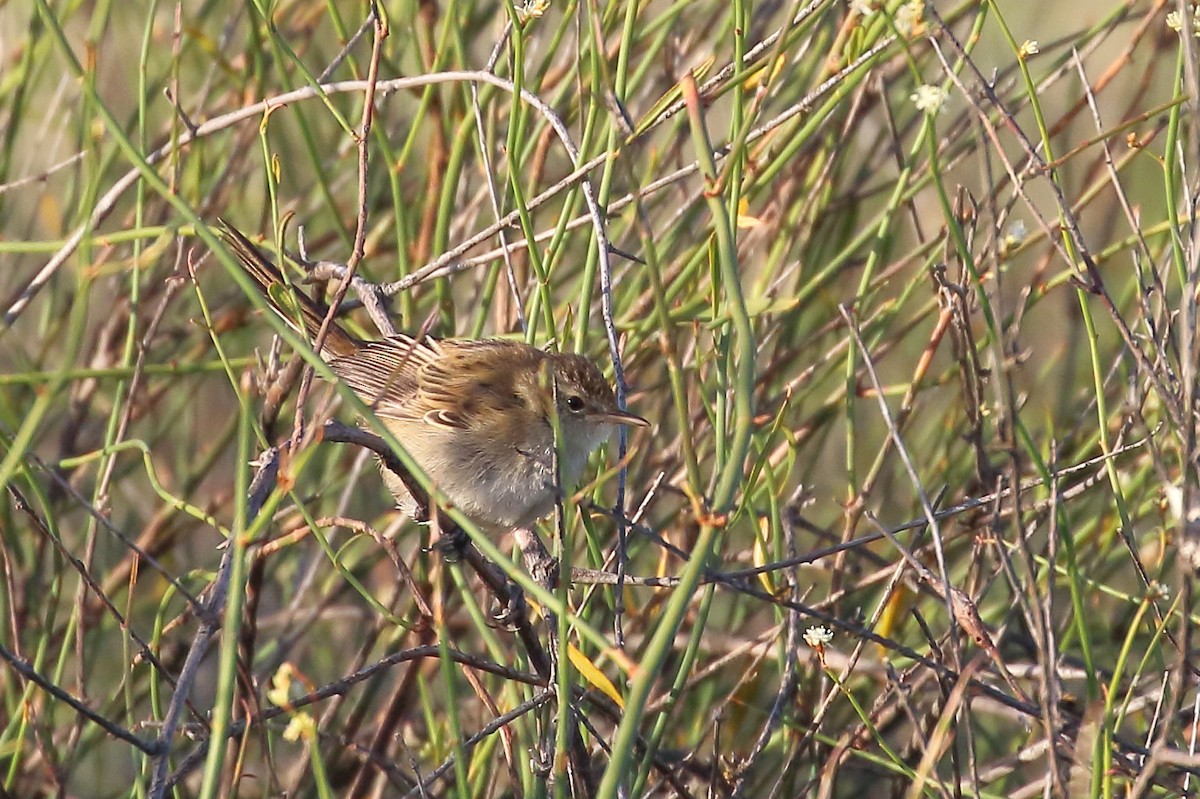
<point>305,314</point>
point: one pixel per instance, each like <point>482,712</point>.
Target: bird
<point>477,415</point>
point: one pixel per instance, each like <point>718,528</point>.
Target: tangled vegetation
<point>908,292</point>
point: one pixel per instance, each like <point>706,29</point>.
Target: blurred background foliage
<point>1020,265</point>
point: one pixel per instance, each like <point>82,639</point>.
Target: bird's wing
<point>470,380</point>
<point>386,374</point>
<point>442,383</point>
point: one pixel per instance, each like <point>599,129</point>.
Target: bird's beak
<point>618,417</point>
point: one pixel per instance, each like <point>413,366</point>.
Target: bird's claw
<point>512,610</point>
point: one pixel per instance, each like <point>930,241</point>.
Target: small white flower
<point>864,8</point>
<point>1015,235</point>
<point>1173,497</point>
<point>533,9</point>
<point>817,637</point>
<point>1159,590</point>
<point>908,16</point>
<point>929,99</point>
<point>1029,47</point>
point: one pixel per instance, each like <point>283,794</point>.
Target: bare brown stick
<point>210,616</point>
<point>26,670</point>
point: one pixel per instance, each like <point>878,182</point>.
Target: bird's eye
<point>574,403</point>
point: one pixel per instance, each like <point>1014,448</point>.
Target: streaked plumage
<point>476,415</point>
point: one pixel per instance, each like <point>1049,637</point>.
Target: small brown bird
<point>476,415</point>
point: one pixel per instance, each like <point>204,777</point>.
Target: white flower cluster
<point>906,17</point>
<point>1175,22</point>
<point>818,636</point>
<point>929,99</point>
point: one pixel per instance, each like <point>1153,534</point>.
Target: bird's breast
<point>496,485</point>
